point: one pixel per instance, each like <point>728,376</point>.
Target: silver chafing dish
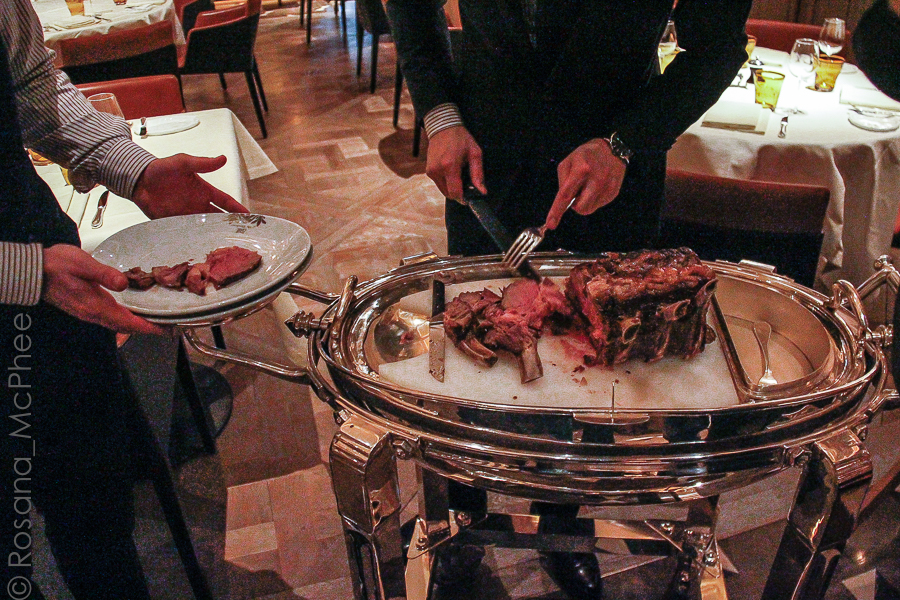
<point>814,419</point>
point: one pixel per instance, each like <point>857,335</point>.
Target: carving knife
<point>437,337</point>
<point>494,228</point>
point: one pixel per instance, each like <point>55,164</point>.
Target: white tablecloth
<point>861,168</point>
<point>55,18</point>
<point>219,132</point>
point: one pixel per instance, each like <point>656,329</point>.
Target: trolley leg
<point>698,559</point>
<point>364,477</point>
<point>829,497</point>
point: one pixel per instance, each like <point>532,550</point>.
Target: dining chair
<point>148,50</point>
<point>187,11</point>
<point>306,13</point>
<point>778,224</point>
<point>151,96</point>
<point>371,18</point>
<point>780,35</point>
<point>223,41</point>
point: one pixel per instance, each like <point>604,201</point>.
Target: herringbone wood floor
<point>261,511</point>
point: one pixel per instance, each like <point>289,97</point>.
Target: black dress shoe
<point>577,574</point>
<point>458,565</point>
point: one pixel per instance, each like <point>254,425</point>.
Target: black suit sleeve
<point>419,29</point>
<point>876,43</point>
<point>712,34</point>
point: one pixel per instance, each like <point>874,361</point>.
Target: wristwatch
<point>619,149</point>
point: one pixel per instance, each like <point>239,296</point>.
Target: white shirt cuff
<point>442,116</point>
<point>21,273</point>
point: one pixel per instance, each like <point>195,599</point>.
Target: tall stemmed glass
<point>668,46</point>
<point>831,38</point>
<point>802,65</point>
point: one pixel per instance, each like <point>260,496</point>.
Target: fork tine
<point>518,245</point>
<point>533,243</point>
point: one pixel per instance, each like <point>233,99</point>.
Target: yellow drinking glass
<point>76,7</point>
<point>827,70</point>
<point>751,46</point>
<point>768,88</point>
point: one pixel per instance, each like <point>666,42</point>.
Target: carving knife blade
<point>437,337</point>
<point>495,229</point>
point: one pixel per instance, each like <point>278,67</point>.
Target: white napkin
<point>869,97</point>
<point>737,116</point>
<point>74,22</point>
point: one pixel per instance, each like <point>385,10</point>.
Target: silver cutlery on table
<point>783,131</point>
<point>762,331</point>
<point>101,208</point>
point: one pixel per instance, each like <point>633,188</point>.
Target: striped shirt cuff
<point>21,273</point>
<point>123,166</point>
<point>442,116</point>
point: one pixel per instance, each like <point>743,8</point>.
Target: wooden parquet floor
<point>261,510</point>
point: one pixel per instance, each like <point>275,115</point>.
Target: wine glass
<point>802,65</point>
<point>831,38</point>
<point>668,46</point>
<point>106,102</point>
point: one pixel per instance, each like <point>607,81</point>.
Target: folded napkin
<point>869,97</point>
<point>74,22</point>
<point>737,116</point>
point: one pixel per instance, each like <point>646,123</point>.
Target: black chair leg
<point>262,93</point>
<point>359,45</point>
<point>344,19</point>
<point>417,136</point>
<point>398,90</point>
<point>302,11</point>
<point>256,106</point>
<point>308,21</point>
<point>374,77</point>
<point>198,411</point>
<point>222,81</point>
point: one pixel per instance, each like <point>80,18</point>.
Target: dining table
<point>821,146</point>
<point>208,133</point>
<point>103,16</point>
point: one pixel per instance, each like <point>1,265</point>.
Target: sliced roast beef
<point>171,277</point>
<point>227,265</point>
<point>197,279</point>
<point>139,279</point>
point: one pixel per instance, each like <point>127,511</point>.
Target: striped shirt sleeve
<point>58,122</point>
<point>21,273</point>
<point>442,116</point>
<point>56,119</point>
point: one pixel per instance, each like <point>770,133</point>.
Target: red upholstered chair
<point>138,97</point>
<point>222,41</point>
<point>774,223</point>
<point>148,50</point>
<point>187,11</point>
<point>780,35</point>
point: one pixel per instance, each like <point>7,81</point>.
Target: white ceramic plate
<point>873,123</point>
<point>283,245</point>
<point>166,124</point>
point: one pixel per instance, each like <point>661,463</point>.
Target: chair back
<point>780,35</point>
<point>187,11</point>
<point>371,15</point>
<point>222,47</point>
<point>774,223</point>
<point>138,97</point>
<point>120,54</point>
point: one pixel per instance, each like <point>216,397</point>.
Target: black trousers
<point>70,439</point>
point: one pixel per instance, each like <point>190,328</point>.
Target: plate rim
<point>99,253</point>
